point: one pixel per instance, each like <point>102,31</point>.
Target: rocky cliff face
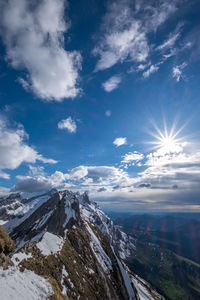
<point>65,239</point>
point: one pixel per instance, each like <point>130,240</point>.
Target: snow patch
<point>18,257</point>
<point>23,285</point>
<point>50,243</point>
<point>90,271</point>
<point>64,274</point>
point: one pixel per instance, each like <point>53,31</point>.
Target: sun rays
<point>167,141</point>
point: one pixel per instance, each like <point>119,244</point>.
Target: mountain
<point>66,248</point>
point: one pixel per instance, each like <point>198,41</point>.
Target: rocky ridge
<point>66,239</point>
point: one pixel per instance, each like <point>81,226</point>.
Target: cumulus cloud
<point>132,156</point>
<point>68,124</point>
<point>97,173</point>
<point>33,34</point>
<point>41,183</point>
<point>120,141</point>
<point>125,31</point>
<point>168,182</point>
<point>112,83</point>
<point>32,185</point>
<point>178,169</point>
<point>81,178</point>
<point>177,71</point>
<point>14,149</point>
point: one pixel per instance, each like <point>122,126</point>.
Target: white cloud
<point>125,31</point>
<point>141,67</point>
<point>151,70</point>
<point>80,178</point>
<point>112,83</point>
<point>36,170</point>
<point>108,113</point>
<point>166,170</point>
<point>177,71</point>
<point>4,191</point>
<point>14,150</point>
<point>123,37</point>
<point>169,42</point>
<point>120,141</point>
<point>169,181</point>
<point>158,13</point>
<point>68,124</point>
<point>79,172</point>
<point>132,156</point>
<point>32,184</point>
<point>34,39</point>
<point>97,174</point>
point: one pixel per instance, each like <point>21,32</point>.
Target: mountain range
<point>66,247</point>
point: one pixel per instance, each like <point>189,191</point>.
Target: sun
<point>167,141</point>
<point>168,144</point>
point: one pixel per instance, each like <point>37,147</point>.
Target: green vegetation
<point>167,252</point>
<point>174,276</point>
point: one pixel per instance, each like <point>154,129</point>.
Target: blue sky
<point>102,96</point>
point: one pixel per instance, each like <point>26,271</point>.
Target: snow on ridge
<point>50,243</point>
<point>98,251</point>
<point>141,289</point>
<point>23,285</point>
<point>69,211</point>
<point>90,212</point>
<point>126,278</point>
<point>26,211</point>
<point>43,220</point>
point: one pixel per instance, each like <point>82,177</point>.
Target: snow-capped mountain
<point>67,240</point>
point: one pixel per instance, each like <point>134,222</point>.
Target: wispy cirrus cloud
<point>177,71</point>
<point>122,37</point>
<point>169,43</point>
<point>125,31</point>
<point>152,69</point>
<point>35,44</point>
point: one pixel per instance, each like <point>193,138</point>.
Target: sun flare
<point>167,142</point>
